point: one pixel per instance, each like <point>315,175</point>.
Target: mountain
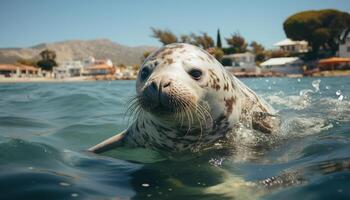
<point>79,49</point>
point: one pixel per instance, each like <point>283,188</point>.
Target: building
<point>290,46</point>
<point>241,62</point>
<point>285,65</point>
<point>128,72</point>
<point>344,45</point>
<point>334,63</point>
<point>68,69</point>
<point>99,69</point>
<point>89,61</point>
<point>18,71</point>
<point>95,67</point>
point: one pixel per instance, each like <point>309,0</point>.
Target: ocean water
<point>45,129</point>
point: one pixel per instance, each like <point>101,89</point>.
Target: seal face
<point>185,97</point>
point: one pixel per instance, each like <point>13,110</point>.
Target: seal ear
<point>110,143</point>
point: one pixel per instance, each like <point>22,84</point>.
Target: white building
<point>290,46</point>
<point>285,65</point>
<point>89,61</point>
<point>344,45</point>
<point>242,61</point>
<point>68,69</point>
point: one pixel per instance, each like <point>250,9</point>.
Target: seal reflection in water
<point>186,99</point>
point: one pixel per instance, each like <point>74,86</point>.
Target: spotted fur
<point>224,100</point>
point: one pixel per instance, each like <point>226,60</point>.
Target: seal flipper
<point>265,122</point>
<point>110,143</point>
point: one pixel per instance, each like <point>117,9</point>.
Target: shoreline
<point>55,80</point>
<point>93,79</point>
<point>43,80</point>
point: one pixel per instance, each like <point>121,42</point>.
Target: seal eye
<point>144,73</point>
<point>195,73</point>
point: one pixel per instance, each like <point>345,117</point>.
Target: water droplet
<point>216,162</point>
<point>170,189</point>
<point>145,185</point>
<point>338,92</point>
<point>74,195</point>
<point>341,97</point>
<point>327,87</point>
<point>316,84</point>
<point>299,80</point>
<point>64,184</point>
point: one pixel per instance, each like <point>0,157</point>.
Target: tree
<point>46,64</point>
<point>256,47</point>
<point>164,36</point>
<point>145,55</point>
<point>258,50</point>
<point>216,52</point>
<point>47,61</point>
<point>344,35</point>
<point>218,40</point>
<point>186,39</point>
<point>204,40</point>
<point>320,28</point>
<point>237,43</point>
<point>48,54</point>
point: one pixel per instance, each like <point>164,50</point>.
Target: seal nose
<point>166,83</point>
<point>154,86</point>
<point>157,87</point>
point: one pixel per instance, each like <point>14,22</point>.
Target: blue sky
<point>28,22</point>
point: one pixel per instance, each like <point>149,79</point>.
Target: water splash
<point>316,84</point>
<point>339,94</point>
<point>216,161</point>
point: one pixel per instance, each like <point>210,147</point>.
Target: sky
<point>25,23</point>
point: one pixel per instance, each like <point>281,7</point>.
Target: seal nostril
<point>167,84</point>
<point>154,85</point>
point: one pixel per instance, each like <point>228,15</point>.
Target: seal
<point>185,98</point>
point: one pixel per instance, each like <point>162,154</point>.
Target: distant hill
<point>79,49</point>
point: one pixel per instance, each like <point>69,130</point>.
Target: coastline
<point>43,80</point>
<point>60,80</point>
<point>111,78</point>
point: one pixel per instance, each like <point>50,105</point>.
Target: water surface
<point>46,127</point>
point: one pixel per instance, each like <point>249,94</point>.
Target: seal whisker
<point>188,118</point>
<point>181,114</point>
<point>182,111</point>
<point>205,108</point>
<point>133,109</point>
<point>200,126</point>
<point>206,115</point>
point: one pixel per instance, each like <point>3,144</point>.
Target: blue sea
<point>45,129</point>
